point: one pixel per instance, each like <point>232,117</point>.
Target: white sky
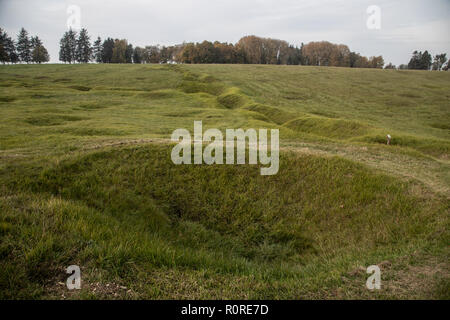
<point>406,25</point>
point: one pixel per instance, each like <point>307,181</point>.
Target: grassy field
<point>86,179</point>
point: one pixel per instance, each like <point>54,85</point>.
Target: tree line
<point>423,61</point>
<point>248,50</point>
<point>76,47</point>
<point>26,49</point>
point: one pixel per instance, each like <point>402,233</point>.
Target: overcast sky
<point>406,25</point>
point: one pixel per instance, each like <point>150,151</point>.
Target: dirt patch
<point>57,288</point>
<point>425,277</point>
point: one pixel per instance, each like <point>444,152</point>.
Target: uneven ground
<point>86,179</point>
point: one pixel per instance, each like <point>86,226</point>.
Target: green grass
<point>86,178</point>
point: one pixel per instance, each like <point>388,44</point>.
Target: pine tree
<point>83,47</point>
<point>63,48</point>
<point>35,41</point>
<point>8,51</point>
<point>71,45</point>
<point>415,62</point>
<point>4,56</point>
<point>24,46</point>
<point>107,50</point>
<point>425,61</point>
<point>11,50</point>
<point>97,50</point>
<point>68,46</point>
<point>39,53</point>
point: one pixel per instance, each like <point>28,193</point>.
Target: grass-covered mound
<point>127,213</point>
<point>328,127</point>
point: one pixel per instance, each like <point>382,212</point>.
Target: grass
<point>86,179</point>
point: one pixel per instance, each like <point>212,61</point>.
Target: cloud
<point>406,24</point>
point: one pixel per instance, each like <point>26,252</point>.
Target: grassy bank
<point>87,179</point>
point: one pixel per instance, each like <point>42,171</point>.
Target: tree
<point>376,62</point>
<point>206,52</point>
<point>318,53</point>
<point>138,55</point>
<point>353,59</point>
<point>439,61</point>
<point>359,61</point>
<point>35,41</point>
<point>152,54</point>
<point>165,54</point>
<point>11,50</point>
<point>83,47</point>
<point>107,52</point>
<point>414,62</point>
<point>129,53</point>
<point>4,56</point>
<point>426,61</point>
<point>97,50</point>
<point>68,47</point>
<point>340,56</point>
<point>7,48</point>
<point>294,56</point>
<point>187,54</point>
<point>324,53</point>
<point>252,49</point>
<point>39,53</point>
<point>119,51</point>
<point>420,61</point>
<point>63,50</point>
<point>24,46</point>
